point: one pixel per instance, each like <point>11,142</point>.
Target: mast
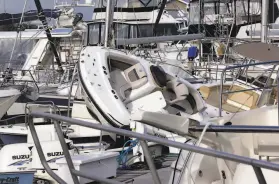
<point>109,20</point>
<point>163,4</point>
<point>199,27</point>
<point>42,18</point>
<point>264,22</point>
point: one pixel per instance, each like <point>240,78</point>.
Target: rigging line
<point>18,31</point>
<point>138,30</point>
<point>25,43</point>
<point>42,18</point>
<point>227,46</point>
<point>186,161</point>
<point>153,13</point>
<point>240,107</point>
<point>119,26</point>
<point>22,44</point>
<point>179,154</point>
<point>189,175</point>
<point>179,9</point>
<point>4,3</point>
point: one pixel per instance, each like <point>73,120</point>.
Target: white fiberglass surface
<point>111,83</point>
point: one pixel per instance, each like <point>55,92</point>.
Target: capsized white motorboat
<point>117,85</point>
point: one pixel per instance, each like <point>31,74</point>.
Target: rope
<point>122,158</point>
<point>194,154</point>
<point>20,23</point>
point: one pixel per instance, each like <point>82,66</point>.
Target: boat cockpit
<point>135,83</point>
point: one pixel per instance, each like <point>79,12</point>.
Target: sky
<point>16,6</point>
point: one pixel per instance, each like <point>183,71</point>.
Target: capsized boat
<point>116,85</point>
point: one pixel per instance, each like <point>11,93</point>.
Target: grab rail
<point>256,164</point>
<point>11,74</point>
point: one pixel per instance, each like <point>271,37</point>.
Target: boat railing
<point>207,70</point>
<point>211,71</point>
<point>266,86</point>
<point>36,76</point>
<point>65,3</point>
<point>256,164</point>
<point>50,75</point>
<point>46,75</point>
<point>53,109</point>
<point>8,77</point>
<point>178,67</point>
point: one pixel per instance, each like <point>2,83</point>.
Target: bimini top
<point>37,33</point>
<point>8,18</point>
<point>258,51</point>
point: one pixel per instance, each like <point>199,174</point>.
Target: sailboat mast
<point>264,22</point>
<point>163,4</point>
<point>199,27</point>
<point>42,18</point>
<point>109,21</point>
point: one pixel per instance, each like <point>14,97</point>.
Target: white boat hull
<point>7,98</point>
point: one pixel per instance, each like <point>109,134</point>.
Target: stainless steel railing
<point>256,164</point>
<point>241,66</point>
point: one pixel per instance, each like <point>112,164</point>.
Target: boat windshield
<point>213,8</point>
<point>208,9</point>
<point>21,52</point>
<point>125,31</point>
<point>146,30</point>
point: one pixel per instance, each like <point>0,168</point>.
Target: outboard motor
<point>80,27</point>
<point>14,156</point>
<point>77,18</point>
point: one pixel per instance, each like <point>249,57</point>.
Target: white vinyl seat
<point>132,83</point>
<point>181,91</point>
<point>135,84</point>
<point>117,80</point>
<point>135,77</point>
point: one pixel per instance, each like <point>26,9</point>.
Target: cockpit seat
<point>137,84</point>
<point>159,75</point>
<point>181,91</point>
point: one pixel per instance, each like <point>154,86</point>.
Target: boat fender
<point>228,123</point>
<point>192,53</point>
